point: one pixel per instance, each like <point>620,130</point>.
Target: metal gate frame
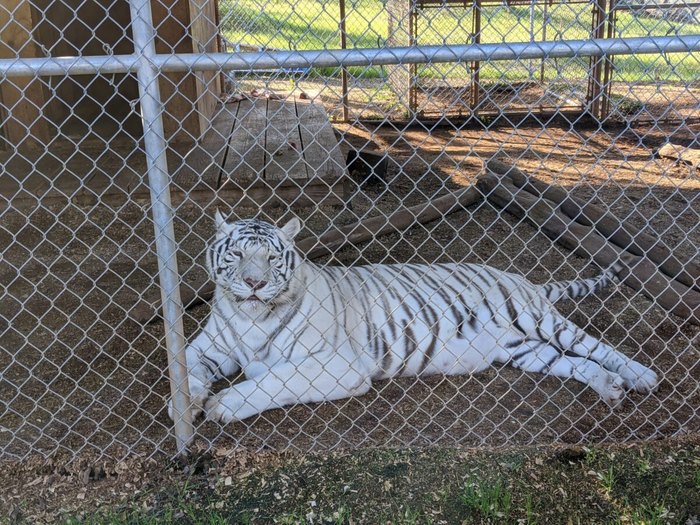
<point>602,17</point>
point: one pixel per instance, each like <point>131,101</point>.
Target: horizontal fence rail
<point>252,61</point>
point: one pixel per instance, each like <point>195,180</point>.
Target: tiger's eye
<point>237,253</point>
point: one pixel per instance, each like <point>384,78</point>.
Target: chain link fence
<point>494,88</point>
<point>553,140</point>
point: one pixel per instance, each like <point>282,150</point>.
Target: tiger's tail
<point>581,287</point>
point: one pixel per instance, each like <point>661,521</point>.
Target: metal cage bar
<point>162,210</point>
<point>252,61</point>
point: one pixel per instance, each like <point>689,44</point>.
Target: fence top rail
<point>249,61</point>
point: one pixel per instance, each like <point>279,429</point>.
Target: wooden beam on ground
<point>400,220</point>
<point>621,233</point>
<point>333,240</point>
<point>640,273</point>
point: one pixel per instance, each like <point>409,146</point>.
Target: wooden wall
<point>101,104</point>
<point>21,99</point>
<point>179,90</point>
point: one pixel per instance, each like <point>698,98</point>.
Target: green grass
<point>651,514</point>
<point>205,517</point>
<point>643,466</point>
<point>607,479</point>
<point>313,24</point>
<point>490,500</point>
<point>648,484</point>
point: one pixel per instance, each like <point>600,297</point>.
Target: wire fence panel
<point>509,86</point>
<point>389,161</point>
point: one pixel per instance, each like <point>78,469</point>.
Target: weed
<point>407,516</point>
<point>410,517</point>
<point>625,105</point>
<point>530,517</point>
<point>492,500</point>
<point>591,456</point>
<point>644,466</point>
<point>485,120</point>
<point>607,479</point>
<point>244,518</point>
<point>651,514</point>
<point>289,519</point>
<point>342,515</point>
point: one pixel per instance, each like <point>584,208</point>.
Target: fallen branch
<point>620,233</point>
<point>331,241</point>
<point>640,273</point>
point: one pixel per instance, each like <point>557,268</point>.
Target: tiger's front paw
<point>224,407</point>
<point>610,387</point>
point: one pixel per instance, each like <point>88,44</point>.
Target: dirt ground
<point>639,484</point>
<point>79,378</point>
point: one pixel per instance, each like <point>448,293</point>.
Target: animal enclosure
<point>609,88</point>
<point>104,230</point>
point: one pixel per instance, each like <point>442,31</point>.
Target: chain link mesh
<point>83,361</point>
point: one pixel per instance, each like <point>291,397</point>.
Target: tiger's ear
<point>219,219</point>
<point>291,229</point>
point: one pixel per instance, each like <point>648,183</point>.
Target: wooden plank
<point>322,154</point>
<point>639,273</point>
<point>204,163</point>
<point>283,145</point>
<point>177,90</point>
<point>245,159</point>
<point>21,98</point>
<point>204,33</point>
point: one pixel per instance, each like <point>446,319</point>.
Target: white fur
<point>324,333</point>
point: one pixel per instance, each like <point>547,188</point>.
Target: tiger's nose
<point>255,285</point>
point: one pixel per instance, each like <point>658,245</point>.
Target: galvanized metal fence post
<point>166,247</point>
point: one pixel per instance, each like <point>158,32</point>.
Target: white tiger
<point>307,333</point>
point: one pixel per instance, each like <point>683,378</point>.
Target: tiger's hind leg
<point>569,338</point>
<point>539,356</point>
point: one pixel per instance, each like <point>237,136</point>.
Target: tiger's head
<point>254,261</point>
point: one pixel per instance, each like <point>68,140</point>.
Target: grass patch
<point>642,484</point>
<point>487,500</point>
<point>313,24</point>
<point>651,514</point>
<point>607,480</point>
